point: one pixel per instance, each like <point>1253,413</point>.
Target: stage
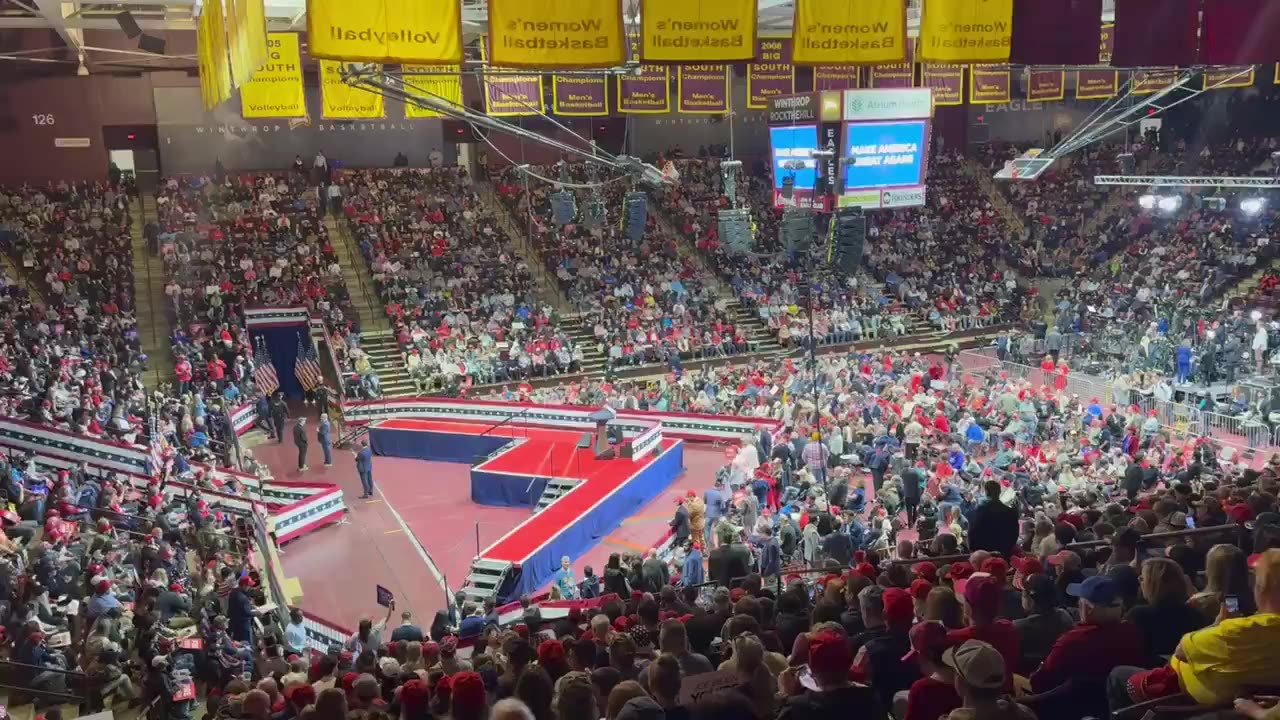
<point>513,465</point>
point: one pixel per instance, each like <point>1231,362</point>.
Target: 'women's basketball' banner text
<point>556,33</point>
<point>698,31</point>
<point>966,31</point>
<point>833,32</point>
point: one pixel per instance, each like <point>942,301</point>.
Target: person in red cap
<point>934,694</point>
<point>982,598</point>
<point>825,692</point>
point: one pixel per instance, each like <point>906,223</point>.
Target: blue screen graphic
<point>793,144</point>
<point>887,154</point>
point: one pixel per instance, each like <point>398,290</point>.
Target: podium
<point>601,417</point>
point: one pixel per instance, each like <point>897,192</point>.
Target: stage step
<point>556,489</point>
<point>485,579</point>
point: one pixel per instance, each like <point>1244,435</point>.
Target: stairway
<point>760,338</point>
<point>149,299</point>
<point>556,489</point>
<point>686,248</point>
<point>485,580</point>
<point>576,327</point>
<point>548,285</point>
<point>356,276</point>
<point>387,360</point>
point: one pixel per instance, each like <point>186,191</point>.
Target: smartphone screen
<point>1233,604</point>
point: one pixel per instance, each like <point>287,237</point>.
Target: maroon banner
<point>579,95</point>
<point>1240,32</point>
<point>1146,82</point>
<point>1046,85</point>
<point>1156,33</point>
<point>895,75</point>
<point>947,82</point>
<point>1222,78</point>
<point>772,74</point>
<point>703,89</point>
<point>1096,84</point>
<point>646,92</point>
<point>506,95</point>
<point>836,77</point>
<point>1054,32</point>
<point>988,85</point>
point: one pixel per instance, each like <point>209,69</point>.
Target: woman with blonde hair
<point>1166,616</point>
<point>1226,571</point>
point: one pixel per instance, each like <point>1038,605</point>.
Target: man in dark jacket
<point>994,526</point>
<point>829,663</point>
<point>1133,477</point>
<point>300,440</point>
<point>730,560</point>
<point>279,413</point>
<point>680,524</point>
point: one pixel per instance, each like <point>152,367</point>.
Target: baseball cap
<point>1039,587</point>
<point>981,592</point>
<point>997,568</point>
<point>959,571</point>
<point>829,653</point>
<point>920,588</point>
<point>899,610</point>
<point>977,663</point>
<point>1127,537</point>
<point>926,570</point>
<point>1098,590</point>
<point>1065,558</point>
<point>927,638</point>
<point>1026,567</point>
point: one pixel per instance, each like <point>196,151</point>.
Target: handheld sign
<point>385,598</point>
<point>699,686</point>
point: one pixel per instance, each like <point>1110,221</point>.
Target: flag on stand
<point>307,365</point>
<point>264,375</point>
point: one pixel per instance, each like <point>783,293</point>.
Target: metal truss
<point>1126,109</point>
<point>1211,181</point>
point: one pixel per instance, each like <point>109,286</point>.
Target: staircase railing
<point>524,413</point>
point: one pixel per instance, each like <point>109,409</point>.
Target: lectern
<point>601,418</point>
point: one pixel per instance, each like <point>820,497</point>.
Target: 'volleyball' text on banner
<point>966,31</point>
<point>441,83</point>
<point>703,89</point>
<point>555,33</point>
<point>946,81</point>
<point>833,32</point>
<point>579,95</point>
<point>772,74</point>
<point>987,85</point>
<point>697,31</point>
<point>276,89</point>
<point>341,101</point>
<point>648,91</point>
<point>426,32</point>
<point>1046,85</point>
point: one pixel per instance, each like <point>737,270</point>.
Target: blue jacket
<point>692,573</point>
<point>323,433</point>
<point>364,460</point>
<point>716,502</point>
<point>975,433</point>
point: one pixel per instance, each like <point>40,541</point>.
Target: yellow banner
<point>235,43</point>
<point>276,90</point>
<point>835,32</point>
<point>211,47</point>
<point>556,33</point>
<point>202,62</point>
<point>444,83</point>
<point>427,32</point>
<point>965,31</point>
<point>697,30</point>
<point>255,21</point>
<point>341,101</point>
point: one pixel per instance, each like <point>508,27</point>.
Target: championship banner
<point>987,85</point>
<point>341,101</point>
<point>966,31</point>
<point>648,91</point>
<point>772,74</point>
<point>894,75</point>
<point>255,19</point>
<point>703,89</point>
<point>1230,76</point>
<point>204,62</point>
<point>697,31</point>
<point>579,95</point>
<point>1146,82</point>
<point>835,32</point>
<point>556,33</point>
<point>836,77</point>
<point>946,81</point>
<point>211,48</point>
<point>276,89</point>
<point>510,95</point>
<point>1046,85</point>
<point>426,32</point>
<point>436,82</point>
<point>240,72</point>
<point>1100,84</point>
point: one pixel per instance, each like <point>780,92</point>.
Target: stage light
<point>1147,202</point>
<point>1169,203</point>
<point>1252,206</point>
<point>1256,315</point>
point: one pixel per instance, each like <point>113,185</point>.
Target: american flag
<point>264,375</point>
<point>307,367</point>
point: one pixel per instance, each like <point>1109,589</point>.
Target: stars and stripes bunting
<point>307,365</point>
<point>264,375</point>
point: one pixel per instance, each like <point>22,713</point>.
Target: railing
<point>524,413</point>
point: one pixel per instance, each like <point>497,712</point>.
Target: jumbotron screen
<point>884,163</point>
<point>792,160</point>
